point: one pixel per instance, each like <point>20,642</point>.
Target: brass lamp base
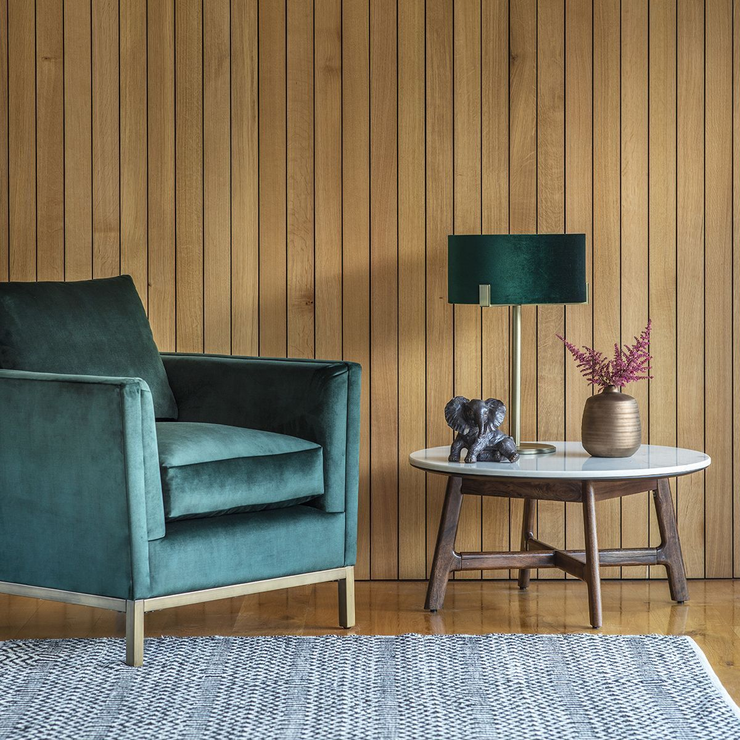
<point>534,448</point>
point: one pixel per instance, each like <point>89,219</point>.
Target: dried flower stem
<point>628,365</point>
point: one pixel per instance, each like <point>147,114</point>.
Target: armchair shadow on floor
<point>136,481</point>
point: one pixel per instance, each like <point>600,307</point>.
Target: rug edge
<point>713,677</point>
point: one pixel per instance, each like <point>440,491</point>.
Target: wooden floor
<point>712,617</point>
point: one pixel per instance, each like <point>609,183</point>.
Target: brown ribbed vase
<point>611,424</point>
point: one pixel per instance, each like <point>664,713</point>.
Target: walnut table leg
<point>530,509</point>
<point>592,576</point>
<point>669,552</point>
<point>444,553</point>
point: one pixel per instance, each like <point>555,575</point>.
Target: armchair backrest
<point>90,327</point>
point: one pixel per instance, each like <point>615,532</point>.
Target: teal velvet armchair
<point>135,481</point>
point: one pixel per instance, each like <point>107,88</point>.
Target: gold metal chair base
<point>135,609</point>
<point>535,448</point>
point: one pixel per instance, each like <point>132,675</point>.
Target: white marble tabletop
<point>571,462</point>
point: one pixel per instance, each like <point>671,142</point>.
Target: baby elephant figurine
<point>477,425</point>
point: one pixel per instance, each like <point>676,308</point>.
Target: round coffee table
<point>570,474</point>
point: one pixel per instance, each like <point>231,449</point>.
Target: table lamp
<point>516,270</point>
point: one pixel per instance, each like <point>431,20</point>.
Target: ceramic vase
<point>611,424</point>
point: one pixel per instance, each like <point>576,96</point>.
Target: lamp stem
<point>515,419</point>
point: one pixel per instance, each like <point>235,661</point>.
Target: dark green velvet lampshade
<point>520,268</point>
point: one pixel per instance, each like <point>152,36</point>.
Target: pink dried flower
<point>629,364</point>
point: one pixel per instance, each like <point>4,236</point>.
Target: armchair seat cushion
<point>211,469</point>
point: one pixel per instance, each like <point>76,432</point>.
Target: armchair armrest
<point>311,399</point>
<point>80,494</point>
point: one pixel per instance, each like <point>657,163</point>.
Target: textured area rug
<point>548,687</point>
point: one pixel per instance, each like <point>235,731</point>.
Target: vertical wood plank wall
<point>280,177</point>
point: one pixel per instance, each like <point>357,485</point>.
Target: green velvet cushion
<point>91,327</point>
<point>205,553</point>
<point>247,509</point>
<point>216,468</point>
<point>308,399</point>
<point>311,399</point>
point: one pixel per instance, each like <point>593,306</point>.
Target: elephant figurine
<point>477,425</point>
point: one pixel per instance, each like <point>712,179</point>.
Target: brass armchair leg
<point>135,633</point>
<point>347,599</point>
<point>134,609</point>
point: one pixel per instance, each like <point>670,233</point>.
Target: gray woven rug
<point>547,687</point>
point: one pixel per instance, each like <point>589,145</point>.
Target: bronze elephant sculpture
<point>477,425</point>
